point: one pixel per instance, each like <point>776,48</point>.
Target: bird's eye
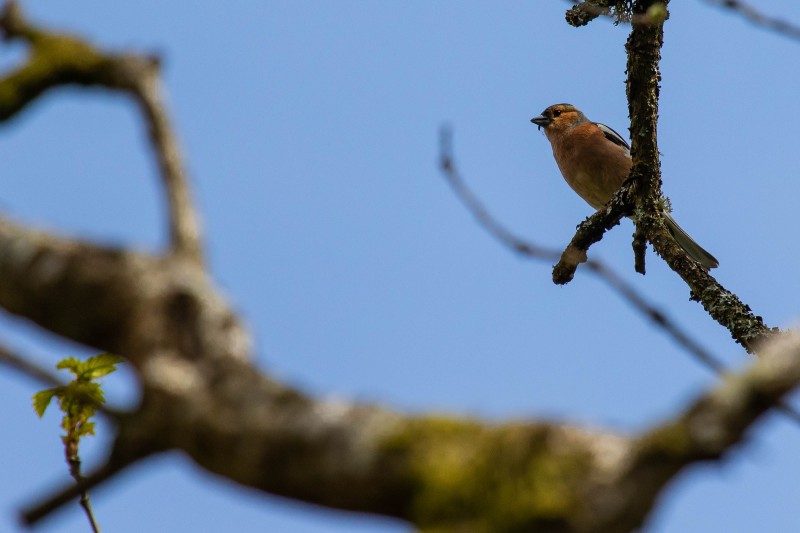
<point>556,113</point>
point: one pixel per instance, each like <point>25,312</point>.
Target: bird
<point>595,160</point>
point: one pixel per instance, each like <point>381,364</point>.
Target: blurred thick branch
<point>22,365</point>
<point>56,60</point>
<point>202,395</point>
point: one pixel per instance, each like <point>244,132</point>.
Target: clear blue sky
<point>310,131</point>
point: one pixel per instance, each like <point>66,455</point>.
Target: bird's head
<point>559,117</point>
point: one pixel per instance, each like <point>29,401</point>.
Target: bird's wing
<point>614,137</point>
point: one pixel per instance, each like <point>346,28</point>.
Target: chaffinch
<point>595,160</point>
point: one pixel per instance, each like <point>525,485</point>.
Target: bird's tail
<point>694,250</point>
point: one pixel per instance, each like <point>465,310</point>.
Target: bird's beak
<point>542,121</point>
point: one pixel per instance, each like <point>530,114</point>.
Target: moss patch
<point>470,477</point>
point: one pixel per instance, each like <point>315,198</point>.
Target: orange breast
<point>591,164</point>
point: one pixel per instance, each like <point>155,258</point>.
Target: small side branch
<point>639,250</point>
<point>474,206</point>
<point>591,231</point>
<point>35,513</point>
<point>138,437</point>
<point>74,461</point>
<point>185,231</point>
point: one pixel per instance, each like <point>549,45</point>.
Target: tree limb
<point>644,188</point>
<point>644,55</point>
<point>202,395</point>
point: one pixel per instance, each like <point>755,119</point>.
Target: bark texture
<point>202,394</point>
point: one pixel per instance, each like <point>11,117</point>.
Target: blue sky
<point>310,131</point>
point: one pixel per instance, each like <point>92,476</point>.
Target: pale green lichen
<point>506,478</point>
<point>53,59</point>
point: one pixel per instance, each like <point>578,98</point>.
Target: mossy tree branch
<point>643,49</point>
<point>644,77</point>
<point>57,59</point>
<point>203,396</point>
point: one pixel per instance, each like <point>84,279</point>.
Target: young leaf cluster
<point>80,398</point>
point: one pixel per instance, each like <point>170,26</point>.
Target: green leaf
<point>80,398</point>
<point>87,429</point>
<point>100,365</point>
<point>85,393</point>
<point>42,399</point>
<point>70,363</point>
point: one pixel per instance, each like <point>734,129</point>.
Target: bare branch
<point>592,227</point>
<point>750,13</point>
<point>723,306</point>
<point>185,230</point>
<point>474,205</point>
<point>74,462</point>
<point>37,512</point>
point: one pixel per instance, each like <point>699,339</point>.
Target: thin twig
<point>74,461</point>
<point>37,512</point>
<point>478,210</point>
<point>131,445</point>
<point>638,302</point>
<point>759,19</point>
